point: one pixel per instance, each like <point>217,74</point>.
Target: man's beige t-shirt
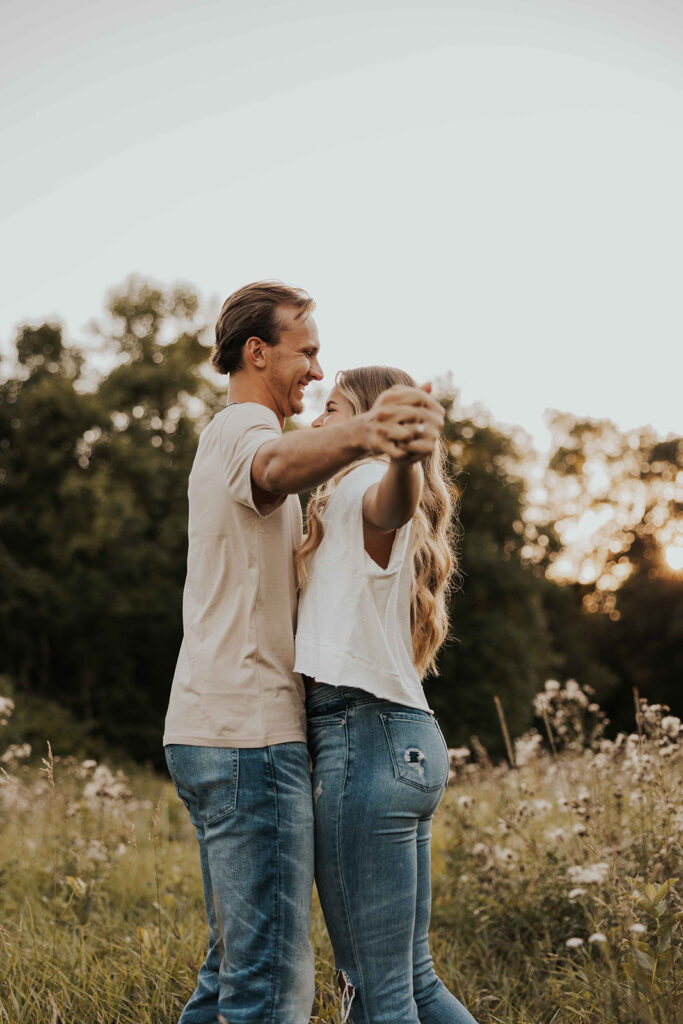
<point>234,684</point>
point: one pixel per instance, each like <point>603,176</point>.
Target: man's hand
<point>404,423</point>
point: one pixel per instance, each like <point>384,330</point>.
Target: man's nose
<point>315,372</point>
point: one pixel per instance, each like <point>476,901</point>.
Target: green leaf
<point>664,890</point>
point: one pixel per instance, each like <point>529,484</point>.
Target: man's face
<point>293,362</point>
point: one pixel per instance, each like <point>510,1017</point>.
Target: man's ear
<point>254,352</point>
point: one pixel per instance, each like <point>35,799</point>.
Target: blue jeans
<point>253,815</point>
<point>379,772</point>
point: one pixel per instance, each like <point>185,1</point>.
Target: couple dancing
<point>369,579</point>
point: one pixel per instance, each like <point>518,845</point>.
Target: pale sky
<point>490,188</point>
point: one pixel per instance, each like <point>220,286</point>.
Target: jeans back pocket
<point>205,779</point>
<point>417,749</point>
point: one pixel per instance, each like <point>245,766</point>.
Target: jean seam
<point>356,959</point>
<point>278,923</point>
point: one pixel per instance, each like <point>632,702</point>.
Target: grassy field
<point>556,898</point>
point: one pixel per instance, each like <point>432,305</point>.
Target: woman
<point>375,569</point>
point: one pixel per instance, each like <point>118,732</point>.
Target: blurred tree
<point>93,531</point>
<point>617,502</point>
<point>502,644</point>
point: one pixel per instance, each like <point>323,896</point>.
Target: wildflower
<point>574,943</point>
<point>543,806</point>
<point>590,873</point>
<point>6,709</point>
<point>528,747</point>
<point>105,784</point>
<point>671,726</point>
<point>597,937</point>
<point>458,755</point>
<point>579,829</point>
<point>557,835</point>
<point>16,752</point>
<point>96,852</point>
<point>637,929</point>
<point>552,686</point>
<point>575,893</point>
<point>465,801</point>
<point>505,855</point>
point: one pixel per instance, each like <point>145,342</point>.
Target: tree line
<point>93,542</point>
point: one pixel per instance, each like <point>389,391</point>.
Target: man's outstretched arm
<point>396,425</point>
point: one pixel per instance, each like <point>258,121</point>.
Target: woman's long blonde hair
<point>434,523</point>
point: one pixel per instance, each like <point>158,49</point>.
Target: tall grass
<point>555,892</point>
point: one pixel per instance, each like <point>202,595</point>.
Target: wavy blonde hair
<point>434,527</point>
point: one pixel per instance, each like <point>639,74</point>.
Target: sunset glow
<point>674,557</point>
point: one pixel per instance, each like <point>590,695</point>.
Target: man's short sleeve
<point>246,427</point>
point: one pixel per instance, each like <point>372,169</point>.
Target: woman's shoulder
<point>361,476</point>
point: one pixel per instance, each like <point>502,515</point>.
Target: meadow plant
<point>555,883</point>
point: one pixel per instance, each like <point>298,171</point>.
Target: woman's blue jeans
<point>379,772</point>
<point>253,816</point>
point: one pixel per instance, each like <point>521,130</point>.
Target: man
<point>235,735</point>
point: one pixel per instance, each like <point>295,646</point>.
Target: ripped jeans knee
<point>348,991</point>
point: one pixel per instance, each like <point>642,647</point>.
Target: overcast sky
<point>491,188</point>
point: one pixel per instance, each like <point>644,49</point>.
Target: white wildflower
<point>637,929</point>
<point>6,709</point>
<point>579,829</point>
<point>505,855</point>
<point>543,806</point>
<point>97,852</point>
<point>589,873</point>
<point>575,893</point>
<point>557,835</point>
<point>671,726</point>
<point>104,784</point>
<point>574,943</point>
<point>597,937</point>
<point>458,755</point>
<point>465,801</point>
<point>16,752</point>
<point>528,747</point>
<point>552,686</point>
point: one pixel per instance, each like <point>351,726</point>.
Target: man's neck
<point>244,390</point>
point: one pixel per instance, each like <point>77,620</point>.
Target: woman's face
<point>337,409</point>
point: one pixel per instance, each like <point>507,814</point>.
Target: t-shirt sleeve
<point>347,510</point>
<point>245,429</point>
<point>352,487</point>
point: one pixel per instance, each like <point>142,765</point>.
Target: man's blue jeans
<point>252,812</point>
<point>379,772</point>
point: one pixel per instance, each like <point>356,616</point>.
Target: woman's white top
<point>354,617</point>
